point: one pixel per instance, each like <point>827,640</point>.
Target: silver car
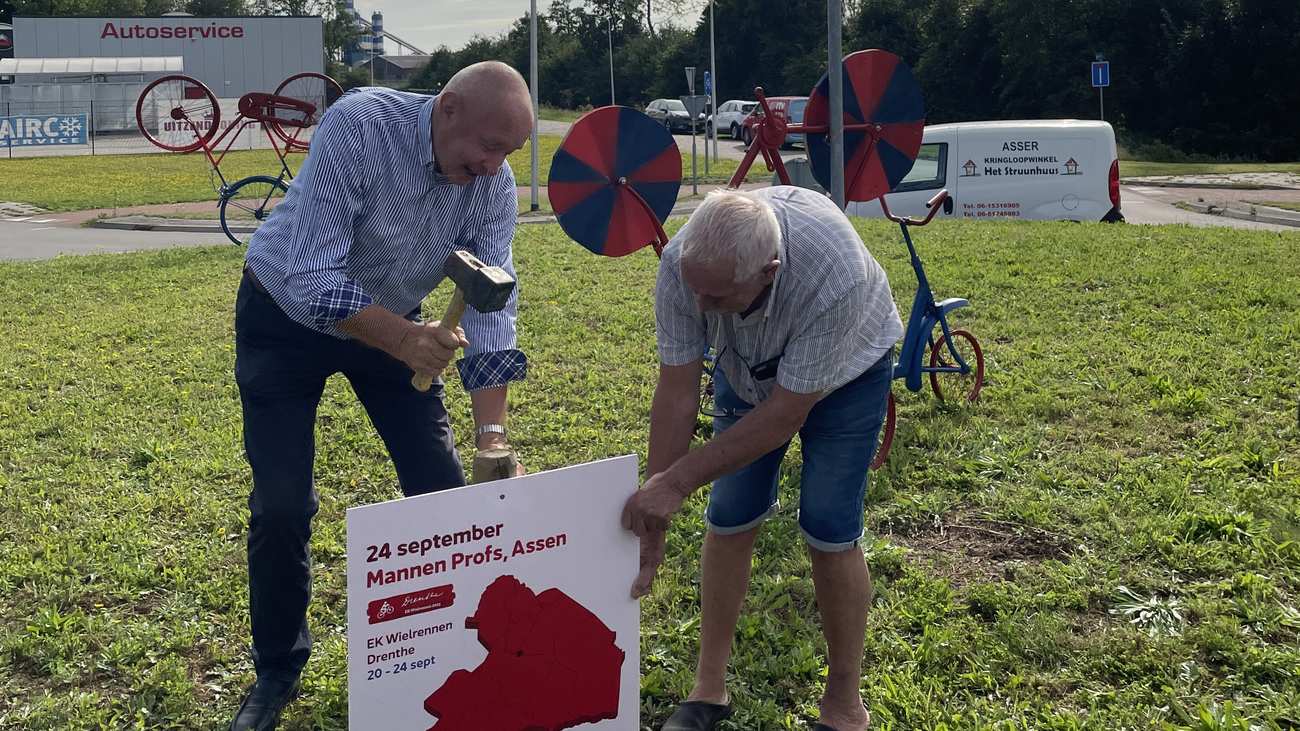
<point>671,113</point>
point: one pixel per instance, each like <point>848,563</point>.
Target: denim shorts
<point>839,441</point>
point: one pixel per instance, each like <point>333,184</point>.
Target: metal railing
<point>110,128</point>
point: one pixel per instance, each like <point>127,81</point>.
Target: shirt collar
<point>426,132</point>
<point>426,142</point>
<point>776,281</point>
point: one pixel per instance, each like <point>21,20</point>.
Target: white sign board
<point>497,606</point>
<point>184,132</point>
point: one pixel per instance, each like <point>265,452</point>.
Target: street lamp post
<point>610,31</point>
<point>532,69</point>
<point>713,89</point>
<point>835,74</point>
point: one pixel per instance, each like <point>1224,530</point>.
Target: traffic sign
<point>690,79</point>
<point>695,104</point>
<point>708,82</point>
<point>1101,73</point>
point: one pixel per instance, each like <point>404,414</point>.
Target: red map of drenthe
<point>551,665</point>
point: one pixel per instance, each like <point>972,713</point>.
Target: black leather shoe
<point>697,716</point>
<point>263,704</point>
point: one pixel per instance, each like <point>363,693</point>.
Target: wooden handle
<point>450,320</point>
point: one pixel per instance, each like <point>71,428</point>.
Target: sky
<point>429,24</point>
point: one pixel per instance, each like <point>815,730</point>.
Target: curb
<point>1209,186</point>
<point>153,223</point>
<point>205,226</point>
<point>1241,215</point>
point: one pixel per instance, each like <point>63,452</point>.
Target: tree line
<point>1211,78</point>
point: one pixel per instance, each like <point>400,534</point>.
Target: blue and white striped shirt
<point>369,220</point>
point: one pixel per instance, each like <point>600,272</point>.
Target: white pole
<point>532,68</point>
<point>610,29</point>
<point>713,91</point>
<point>835,73</point>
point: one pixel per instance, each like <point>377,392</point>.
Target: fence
<point>111,128</point>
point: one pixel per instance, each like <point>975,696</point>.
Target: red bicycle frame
<point>769,134</point>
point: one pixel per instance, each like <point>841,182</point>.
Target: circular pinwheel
<point>614,181</point>
<point>884,118</point>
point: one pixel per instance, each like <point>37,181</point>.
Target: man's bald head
<point>484,113</point>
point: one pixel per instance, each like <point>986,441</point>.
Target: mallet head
<point>485,288</point>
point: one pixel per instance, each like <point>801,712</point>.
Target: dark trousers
<point>281,368</point>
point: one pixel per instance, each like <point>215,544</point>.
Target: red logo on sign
<point>405,605</point>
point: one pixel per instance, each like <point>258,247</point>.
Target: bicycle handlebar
<point>934,204</point>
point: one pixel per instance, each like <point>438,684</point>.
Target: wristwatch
<point>490,429</point>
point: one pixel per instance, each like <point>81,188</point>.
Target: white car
<point>731,117</point>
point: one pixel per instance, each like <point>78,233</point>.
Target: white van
<point>1050,169</point>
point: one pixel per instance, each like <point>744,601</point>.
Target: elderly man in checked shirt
<point>394,182</point>
<point>780,285</point>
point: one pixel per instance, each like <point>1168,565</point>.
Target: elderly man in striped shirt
<point>802,318</point>
<point>333,281</point>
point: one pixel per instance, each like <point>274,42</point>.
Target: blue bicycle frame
<point>925,311</point>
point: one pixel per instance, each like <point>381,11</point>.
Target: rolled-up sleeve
<point>493,358</point>
<point>679,325</point>
<point>331,186</point>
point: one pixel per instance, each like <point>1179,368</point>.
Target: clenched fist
<point>428,348</point>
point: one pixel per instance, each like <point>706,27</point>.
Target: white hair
<point>730,226</point>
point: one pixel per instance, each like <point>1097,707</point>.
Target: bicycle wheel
<point>177,113</point>
<point>247,203</point>
<point>967,384</point>
<point>316,89</point>
<point>886,435</point>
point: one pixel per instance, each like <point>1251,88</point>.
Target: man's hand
<point>428,348</point>
<point>652,555</point>
<point>651,508</point>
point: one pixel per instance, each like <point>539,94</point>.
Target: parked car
<point>731,117</point>
<point>1043,169</point>
<point>671,113</point>
<point>790,107</point>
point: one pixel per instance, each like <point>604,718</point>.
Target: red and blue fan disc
<point>879,90</point>
<point>611,156</point>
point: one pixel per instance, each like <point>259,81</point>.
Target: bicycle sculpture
<point>616,175</point>
<point>180,114</point>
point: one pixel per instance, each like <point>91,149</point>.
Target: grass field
<point>555,114</point>
<point>1134,169</point>
<point>1109,539</point>
<point>109,181</point>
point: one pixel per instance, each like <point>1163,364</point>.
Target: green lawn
<point>1109,539</point>
<point>1134,169</point>
<point>109,181</point>
<point>555,114</point>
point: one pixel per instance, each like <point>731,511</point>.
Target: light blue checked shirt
<point>369,220</point>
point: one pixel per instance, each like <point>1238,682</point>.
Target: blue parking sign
<point>1101,73</point>
<point>708,83</point>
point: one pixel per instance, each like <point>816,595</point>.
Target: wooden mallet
<point>485,288</point>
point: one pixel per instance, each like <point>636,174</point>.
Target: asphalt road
<point>46,235</point>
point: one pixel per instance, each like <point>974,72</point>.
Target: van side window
<point>930,172</point>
